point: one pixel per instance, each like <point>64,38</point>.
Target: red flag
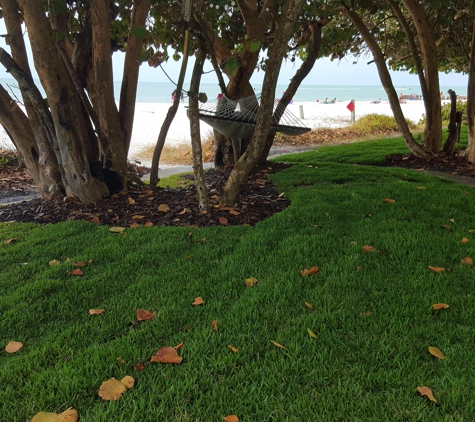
<point>351,106</point>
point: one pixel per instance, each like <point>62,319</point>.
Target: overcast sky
<point>325,72</point>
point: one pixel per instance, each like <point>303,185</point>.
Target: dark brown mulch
<point>453,165</point>
<point>257,200</point>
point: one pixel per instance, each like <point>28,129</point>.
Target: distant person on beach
<point>325,101</point>
<point>376,101</point>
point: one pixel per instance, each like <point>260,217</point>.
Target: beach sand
<point>149,118</point>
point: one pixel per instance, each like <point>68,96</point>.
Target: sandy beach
<point>149,119</point>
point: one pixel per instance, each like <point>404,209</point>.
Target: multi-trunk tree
<point>74,142</point>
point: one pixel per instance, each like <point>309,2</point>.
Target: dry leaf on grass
<point>436,269</point>
<point>426,391</point>
<point>117,229</point>
<point>310,271</point>
<point>144,315</point>
<point>421,188</point>
<point>214,324</point>
<point>464,240</point>
<point>13,346</point>
<point>12,240</point>
<point>128,381</point>
<point>113,389</point>
<point>54,263</point>
<point>467,261</point>
<point>148,224</point>
<point>436,352</point>
<point>198,301</point>
<point>250,282</point>
<point>231,418</point>
<point>438,306</point>
<point>96,311</point>
<point>367,248</point>
<point>69,415</point>
<point>76,272</point>
<point>308,305</point>
<point>234,349</point>
<point>133,225</point>
<point>167,354</point>
<point>139,367</point>
<point>78,264</point>
<point>277,344</point>
<point>447,227</point>
<point>391,201</point>
<point>311,333</point>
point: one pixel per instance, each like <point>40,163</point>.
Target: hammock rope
<point>238,118</point>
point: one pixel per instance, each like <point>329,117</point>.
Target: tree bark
<point>70,130</point>
<point>103,83</point>
<point>471,100</point>
<point>452,128</point>
<point>197,152</point>
<point>49,174</point>
<point>387,83</point>
<point>433,127</point>
<point>315,29</point>
<point>249,159</point>
<point>128,91</point>
<point>171,113</point>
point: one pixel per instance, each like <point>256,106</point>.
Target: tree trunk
<point>315,29</point>
<point>452,128</point>
<point>387,83</point>
<point>197,153</point>
<point>170,115</point>
<point>433,127</point>
<point>104,84</point>
<point>471,100</point>
<point>69,127</point>
<point>249,159</point>
<point>128,91</point>
<point>49,177</point>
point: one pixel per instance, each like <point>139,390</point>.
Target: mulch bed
<point>257,200</point>
<point>453,165</point>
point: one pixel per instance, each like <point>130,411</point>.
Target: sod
<point>371,311</point>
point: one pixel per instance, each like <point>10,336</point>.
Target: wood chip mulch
<point>257,200</point>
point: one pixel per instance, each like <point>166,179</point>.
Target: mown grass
<point>372,313</point>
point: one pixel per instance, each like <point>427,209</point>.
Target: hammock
<point>237,119</point>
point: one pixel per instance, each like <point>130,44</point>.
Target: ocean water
<point>160,92</point>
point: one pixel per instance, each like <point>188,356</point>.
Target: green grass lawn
<point>372,311</point>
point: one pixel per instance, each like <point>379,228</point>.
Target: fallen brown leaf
<point>77,272</point>
<point>167,354</point>
<point>436,352</point>
<point>112,389</point>
<point>438,306</point>
<point>311,333</point>
<point>139,367</point>
<point>137,217</point>
<point>426,391</point>
<point>54,263</point>
<point>436,269</point>
<point>250,282</point>
<point>231,418</point>
<point>96,311</point>
<point>310,271</point>
<point>467,261</point>
<point>198,301</point>
<point>179,346</point>
<point>308,305</point>
<point>13,346</point>
<point>391,201</point>
<point>367,248</point>
<point>133,225</point>
<point>69,415</point>
<point>117,229</point>
<point>464,240</point>
<point>144,315</point>
<point>131,201</point>
<point>128,381</point>
<point>78,264</point>
<point>234,349</point>
<point>148,224</point>
<point>277,344</point>
<point>12,240</point>
<point>163,208</point>
<point>446,226</point>
<point>223,220</point>
<point>214,324</point>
